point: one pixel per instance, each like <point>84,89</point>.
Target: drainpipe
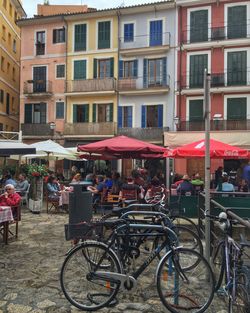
<point>66,71</point>
<point>180,65</point>
<point>117,81</point>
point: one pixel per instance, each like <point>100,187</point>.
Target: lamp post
<point>52,127</point>
<point>176,122</point>
<point>216,118</point>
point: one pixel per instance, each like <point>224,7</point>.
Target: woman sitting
<point>76,178</point>
<point>54,190</point>
<point>10,198</point>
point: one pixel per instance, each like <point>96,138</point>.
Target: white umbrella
<point>8,147</point>
<point>51,148</point>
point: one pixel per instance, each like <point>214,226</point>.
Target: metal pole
<point>207,109</point>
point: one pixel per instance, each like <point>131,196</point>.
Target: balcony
<point>36,130</point>
<point>105,85</point>
<point>215,125</point>
<point>158,43</point>
<point>37,88</point>
<point>140,85</point>
<point>90,129</point>
<point>148,134</point>
<point>213,34</point>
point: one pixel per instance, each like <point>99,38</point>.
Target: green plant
<point>35,170</point>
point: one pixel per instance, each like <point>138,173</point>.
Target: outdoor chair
<point>52,204</point>
<point>25,197</point>
<point>129,194</point>
<point>16,211</point>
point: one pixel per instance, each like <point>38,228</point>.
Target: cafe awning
<point>11,147</point>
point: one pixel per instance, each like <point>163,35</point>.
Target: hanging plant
<point>36,170</point>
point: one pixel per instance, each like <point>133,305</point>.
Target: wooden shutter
<point>54,35</point>
<point>145,73</point>
<point>120,124</point>
<point>104,35</point>
<point>120,69</point>
<point>95,64</point>
<point>164,71</point>
<point>1,95</point>
<point>143,116</point>
<point>43,107</point>
<point>135,74</point>
<point>80,37</point>
<point>28,113</point>
<point>111,67</point>
<point>198,63</point>
<point>237,22</point>
<point>237,109</point>
<point>80,69</point>
<point>237,68</point>
<point>111,112</point>
<point>130,116</point>
<point>196,110</point>
<point>199,26</point>
<point>160,115</point>
<point>94,113</point>
<point>74,113</point>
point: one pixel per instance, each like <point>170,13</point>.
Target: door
<point>39,78</point>
<point>156,33</point>
<point>198,63</point>
<point>237,22</point>
<point>199,26</point>
<point>237,68</point>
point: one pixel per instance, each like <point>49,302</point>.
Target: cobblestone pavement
<point>30,266</point>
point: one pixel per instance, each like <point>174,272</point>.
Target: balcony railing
<point>104,128</point>
<point>144,41</point>
<point>141,83</point>
<point>215,125</point>
<point>150,134</point>
<point>33,87</point>
<point>224,79</point>
<point>205,34</point>
<point>36,129</point>
<point>91,85</point>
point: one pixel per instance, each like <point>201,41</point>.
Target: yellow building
<point>10,11</point>
<point>92,70</point>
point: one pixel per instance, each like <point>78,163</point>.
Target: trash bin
<point>80,203</point>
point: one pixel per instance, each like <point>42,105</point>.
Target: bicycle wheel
<point>81,286</point>
<point>243,290</point>
<point>182,287</point>
<point>218,264</point>
<point>185,221</point>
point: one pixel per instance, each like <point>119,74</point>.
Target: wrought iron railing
<point>150,133</point>
<point>90,85</point>
<point>37,87</point>
<point>215,125</point>
<point>137,83</point>
<point>36,129</point>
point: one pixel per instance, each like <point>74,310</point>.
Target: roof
<point>92,12</point>
<point>19,7</point>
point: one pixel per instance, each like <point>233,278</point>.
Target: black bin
<point>80,203</point>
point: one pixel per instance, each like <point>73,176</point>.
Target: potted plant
<point>36,174</point>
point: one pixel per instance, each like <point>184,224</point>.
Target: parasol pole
<point>207,109</point>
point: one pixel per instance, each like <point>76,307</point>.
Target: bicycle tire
<point>190,222</point>
<point>243,290</point>
<point>178,295</point>
<point>218,264</point>
<point>78,283</point>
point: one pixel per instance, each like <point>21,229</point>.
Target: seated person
<point>9,180</point>
<point>76,178</point>
<point>243,186</point>
<point>116,184</point>
<point>154,189</point>
<point>54,190</point>
<point>127,189</point>
<point>22,184</point>
<point>185,187</point>
<point>197,182</point>
<point>226,186</point>
<point>108,181</point>
<point>96,190</point>
<point>10,198</point>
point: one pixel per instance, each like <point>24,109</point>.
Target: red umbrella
<point>123,147</point>
<point>218,150</point>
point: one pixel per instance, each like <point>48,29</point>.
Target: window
<point>2,64</point>
<point>155,33</point>
<point>104,35</point>
<point>7,103</point>
<point>236,68</point>
<point>1,126</point>
<point>10,9</point>
<point>14,45</point>
<point>59,35</point>
<point>39,79</point>
<point>8,67</point>
<point>103,113</point>
<point>80,37</point>
<point>154,72</point>
<point>3,32</point>
<point>128,69</point>
<point>60,70</point>
<point>80,69</point>
<point>1,96</point>
<point>14,73</point>
<point>152,116</point>
<point>104,68</point>
<point>128,32</point>
<point>9,39</point>
<point>80,113</point>
<point>236,109</point>
<point>197,65</point>
<point>199,26</point>
<point>40,43</point>
<point>60,110</point>
<point>13,103</point>
<point>35,113</point>
<point>237,21</point>
<point>125,116</point>
<point>196,110</point>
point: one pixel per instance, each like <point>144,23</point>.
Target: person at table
<point>22,184</point>
<point>197,182</point>
<point>54,190</point>
<point>243,186</point>
<point>116,183</point>
<point>130,190</point>
<point>186,187</point>
<point>10,198</point>
<point>9,180</point>
<point>98,189</point>
<point>77,178</point>
<point>226,186</point>
<point>108,181</point>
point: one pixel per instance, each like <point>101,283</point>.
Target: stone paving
<point>30,266</point>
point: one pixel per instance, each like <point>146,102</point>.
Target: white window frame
<point>237,96</point>
<point>56,71</point>
<point>65,34</point>
<point>123,29</point>
<point>73,38</point>
<point>45,50</point>
<point>189,10</point>
<point>188,99</point>
<point>32,103</point>
<point>73,66</point>
<point>62,118</point>
<point>163,19</point>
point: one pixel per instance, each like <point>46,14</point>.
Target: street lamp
<point>176,121</point>
<point>216,118</point>
<point>52,127</point>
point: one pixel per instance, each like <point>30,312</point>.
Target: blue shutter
<point>135,68</point>
<point>130,117</point>
<point>160,115</point>
<point>164,72</point>
<point>120,69</point>
<point>74,113</point>
<point>143,116</point>
<point>120,117</point>
<point>145,73</point>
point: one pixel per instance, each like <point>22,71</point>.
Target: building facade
<point>10,41</point>
<point>146,71</point>
<point>215,36</point>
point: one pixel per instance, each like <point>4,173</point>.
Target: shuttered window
<point>80,37</point>
<point>125,118</point>
<point>79,69</point>
<point>104,68</point>
<point>104,35</point>
<point>128,32</point>
<point>196,110</point>
<point>237,68</point>
<point>80,113</point>
<point>59,35</point>
<point>237,22</point>
<point>152,116</point>
<point>103,112</point>
<point>35,113</point>
<point>60,71</point>
<point>155,33</point>
<point>198,63</point>
<point>199,26</point>
<point>237,109</point>
<point>60,110</point>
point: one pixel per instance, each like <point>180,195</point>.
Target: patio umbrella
<point>218,150</point>
<point>8,148</point>
<point>51,148</point>
<point>123,147</point>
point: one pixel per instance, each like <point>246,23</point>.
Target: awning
<point>8,148</point>
<point>234,138</point>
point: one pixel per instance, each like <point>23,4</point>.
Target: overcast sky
<point>30,5</point>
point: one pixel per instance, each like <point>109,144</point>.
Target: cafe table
<point>5,217</point>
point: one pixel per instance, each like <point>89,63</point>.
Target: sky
<point>30,5</point>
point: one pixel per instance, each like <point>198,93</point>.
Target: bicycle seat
<point>244,242</point>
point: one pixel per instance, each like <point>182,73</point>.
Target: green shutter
<point>94,113</point>
<point>28,113</point>
<point>80,69</point>
<point>111,67</point>
<point>237,22</point>
<point>199,26</point>
<point>237,108</point>
<point>95,68</point>
<point>86,117</point>
<point>198,63</point>
<point>74,113</point>
<point>111,112</point>
<point>196,110</point>
<point>237,68</point>
<point>104,35</point>
<point>80,37</point>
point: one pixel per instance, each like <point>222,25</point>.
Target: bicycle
<point>93,272</point>
<point>227,263</point>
